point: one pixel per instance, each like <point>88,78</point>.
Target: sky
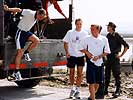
<point>100,12</point>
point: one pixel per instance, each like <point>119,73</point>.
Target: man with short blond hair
<point>95,47</point>
<point>74,56</point>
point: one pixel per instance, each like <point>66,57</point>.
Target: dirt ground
<point>62,81</point>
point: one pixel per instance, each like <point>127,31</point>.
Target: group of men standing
<point>78,44</point>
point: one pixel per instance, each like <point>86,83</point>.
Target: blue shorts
<point>21,38</point>
<point>94,74</point>
<point>73,61</point>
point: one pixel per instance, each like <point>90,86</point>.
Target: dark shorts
<point>75,61</point>
<point>94,74</point>
<point>21,38</point>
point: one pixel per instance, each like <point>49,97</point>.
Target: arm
<point>57,7</point>
<point>14,10</point>
<point>89,55</point>
<point>123,52</point>
<point>66,49</point>
<point>45,6</point>
<point>95,58</point>
<point>126,46</point>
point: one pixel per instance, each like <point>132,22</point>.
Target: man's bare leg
<point>72,79</point>
<point>96,87</point>
<point>18,58</point>
<point>78,81</point>
<point>16,74</point>
<point>92,91</point>
<point>35,41</point>
<point>71,75</point>
<point>79,75</point>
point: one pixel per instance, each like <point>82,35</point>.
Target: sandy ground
<point>57,87</point>
<point>62,81</point>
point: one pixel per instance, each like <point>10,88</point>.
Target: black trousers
<point>112,65</point>
<point>100,93</point>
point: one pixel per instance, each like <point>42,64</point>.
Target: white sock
<point>35,32</point>
<point>73,87</point>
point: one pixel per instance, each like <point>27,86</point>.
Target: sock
<point>35,32</point>
<point>26,51</point>
<point>72,87</point>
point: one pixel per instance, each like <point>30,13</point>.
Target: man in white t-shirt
<point>74,56</point>
<point>23,34</point>
<point>95,47</point>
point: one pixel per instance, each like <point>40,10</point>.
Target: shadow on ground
<point>16,93</point>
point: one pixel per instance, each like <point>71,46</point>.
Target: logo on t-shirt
<point>75,40</point>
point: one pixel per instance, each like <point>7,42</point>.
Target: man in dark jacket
<point>113,59</point>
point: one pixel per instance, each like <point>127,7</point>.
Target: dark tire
<point>50,70</point>
<point>28,83</point>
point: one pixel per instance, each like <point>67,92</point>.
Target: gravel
<point>61,80</point>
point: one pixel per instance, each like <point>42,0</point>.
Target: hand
<point>67,55</point>
<point>89,55</point>
<point>51,21</point>
<point>6,8</point>
<point>118,56</point>
<point>95,58</point>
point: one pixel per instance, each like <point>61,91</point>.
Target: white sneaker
<point>13,74</point>
<point>18,76</point>
<point>27,57</point>
<point>72,93</point>
<point>77,95</point>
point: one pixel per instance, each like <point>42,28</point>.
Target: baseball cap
<point>111,24</point>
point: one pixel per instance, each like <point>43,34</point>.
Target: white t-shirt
<point>73,39</point>
<point>96,46</point>
<point>28,20</point>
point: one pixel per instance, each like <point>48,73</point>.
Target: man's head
<point>95,30</point>
<point>78,23</point>
<point>41,14</point>
<point>111,26</point>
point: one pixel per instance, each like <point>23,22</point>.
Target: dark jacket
<point>115,42</point>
